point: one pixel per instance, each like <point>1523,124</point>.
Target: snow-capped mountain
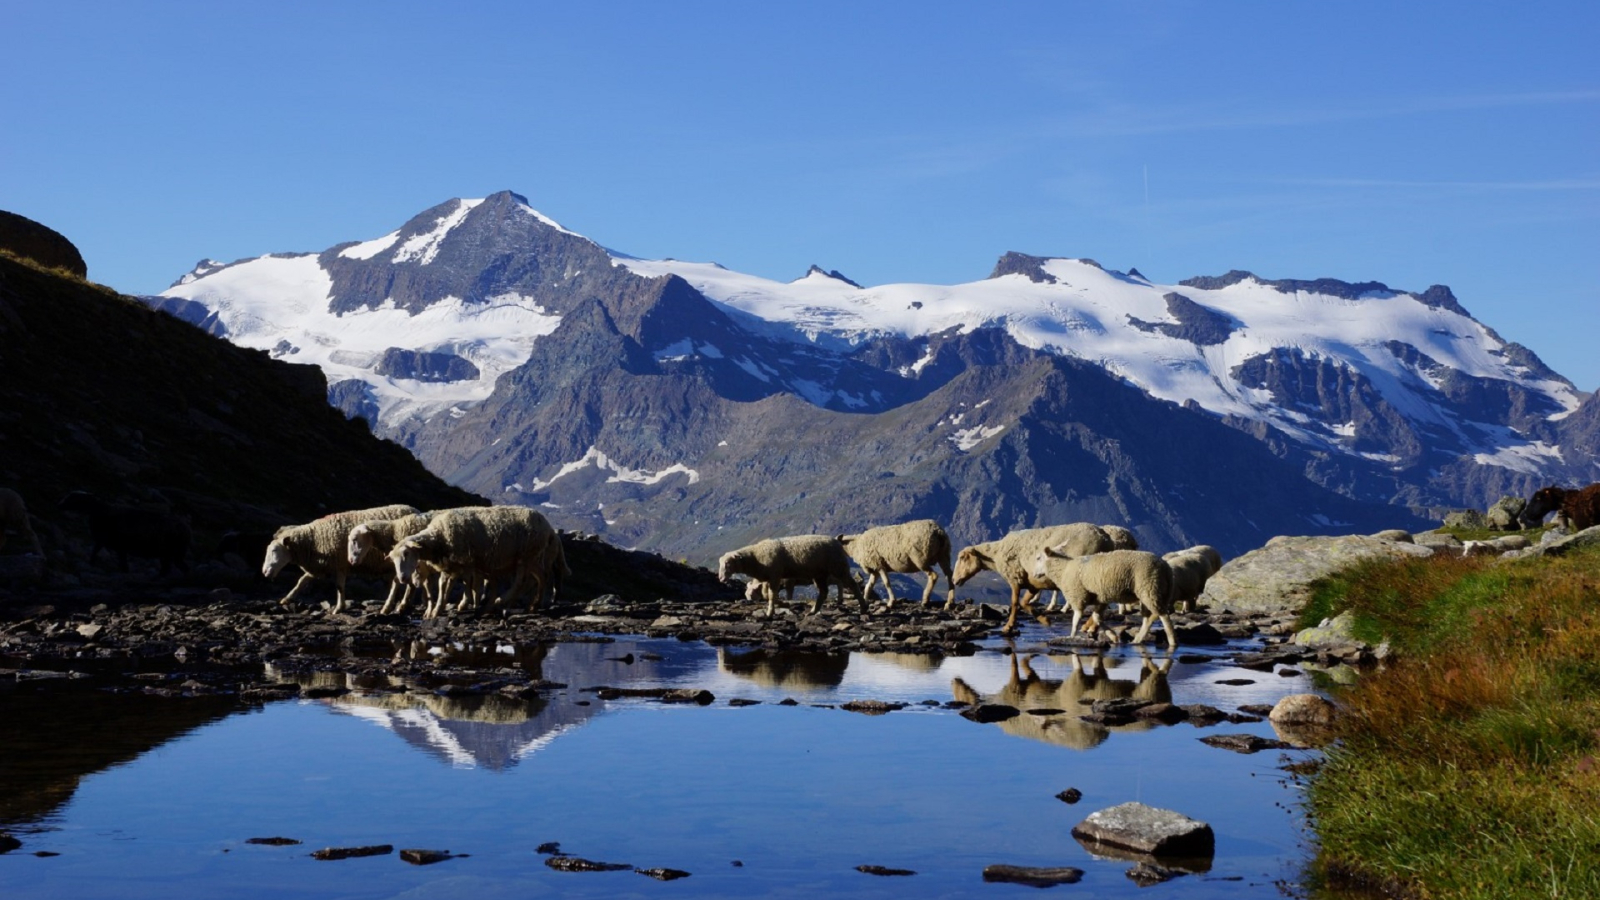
<point>449,334</point>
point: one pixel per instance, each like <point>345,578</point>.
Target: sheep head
<point>359,543</point>
<point>969,562</point>
<point>277,557</point>
<point>405,556</point>
<point>731,563</point>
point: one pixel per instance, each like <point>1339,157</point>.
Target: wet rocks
<point>8,843</point>
<point>272,841</point>
<point>1033,876</point>
<point>1303,709</point>
<point>986,713</point>
<point>1146,874</point>
<point>1148,830</point>
<point>1070,795</point>
<point>871,707</point>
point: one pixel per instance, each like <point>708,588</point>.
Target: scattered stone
<point>1146,829</point>
<point>424,857</point>
<point>1146,874</point>
<point>1243,743</point>
<point>1070,795</point>
<point>1236,682</point>
<point>45,854</point>
<point>661,874</point>
<point>8,843</point>
<point>352,852</point>
<point>883,870</point>
<point>741,701</point>
<point>1029,875</point>
<point>578,864</point>
<point>1203,634</point>
<point>1201,714</point>
<point>689,695</point>
<point>549,847</point>
<point>273,841</point>
<point>1256,709</point>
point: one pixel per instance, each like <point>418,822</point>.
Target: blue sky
<point>1413,143</point>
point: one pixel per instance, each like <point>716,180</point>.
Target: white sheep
<point>1116,576</point>
<point>909,547</point>
<point>475,544</point>
<point>321,549</point>
<point>759,590</point>
<point>369,545</point>
<point>1121,538</point>
<point>1012,556</point>
<point>14,521</point>
<point>1191,568</point>
<point>815,559</point>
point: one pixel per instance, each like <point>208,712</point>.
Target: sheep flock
<point>495,558</point>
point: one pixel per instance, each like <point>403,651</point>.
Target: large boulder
<point>42,244</point>
<point>1506,514</point>
<point>1277,578</point>
<point>1145,829</point>
<point>1589,537</point>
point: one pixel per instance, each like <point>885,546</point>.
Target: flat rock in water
<point>273,841</point>
<point>352,852</point>
<point>661,874</point>
<point>871,707</point>
<point>1145,874</point>
<point>883,870</point>
<point>1243,743</point>
<point>1278,577</point>
<point>1148,830</point>
<point>1030,875</point>
<point>578,864</point>
<point>990,712</point>
<point>424,857</point>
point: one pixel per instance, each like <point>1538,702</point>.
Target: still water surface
<point>758,801</point>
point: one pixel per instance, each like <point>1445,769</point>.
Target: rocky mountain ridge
<point>684,407</point>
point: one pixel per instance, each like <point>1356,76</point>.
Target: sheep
<point>320,548</point>
<point>808,558</point>
<point>14,521</point>
<point>1121,538</point>
<point>1110,577</point>
<point>916,546</point>
<point>1012,558</point>
<point>1190,570</point>
<point>132,531</point>
<point>1580,506</point>
<point>369,544</point>
<point>487,542</point>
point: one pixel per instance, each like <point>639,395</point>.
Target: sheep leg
<point>1011,617</point>
<point>772,597</point>
<point>950,598</point>
<point>888,589</point>
<point>288,599</point>
<point>394,588</point>
<point>861,599</point>
<point>866,588</point>
<point>927,592</point>
<point>822,594</point>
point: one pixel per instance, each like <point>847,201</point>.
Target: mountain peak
<point>818,271</point>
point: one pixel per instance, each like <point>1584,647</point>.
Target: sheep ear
<point>1053,553</point>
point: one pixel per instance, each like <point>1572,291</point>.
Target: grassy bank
<point>1471,766</point>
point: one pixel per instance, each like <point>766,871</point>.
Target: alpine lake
<point>778,773</point>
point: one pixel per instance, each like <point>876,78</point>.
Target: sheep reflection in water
<point>787,669</point>
<point>1051,707</point>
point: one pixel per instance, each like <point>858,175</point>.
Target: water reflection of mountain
<point>59,734</point>
<point>495,731</point>
<point>1051,707</point>
<point>785,669</point>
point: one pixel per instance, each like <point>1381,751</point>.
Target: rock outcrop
<point>1278,577</point>
<point>44,245</point>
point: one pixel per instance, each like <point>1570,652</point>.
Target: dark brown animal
<point>1579,506</point>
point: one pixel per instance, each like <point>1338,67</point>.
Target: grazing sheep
<point>321,549</point>
<point>132,531</point>
<point>1012,558</point>
<point>14,521</point>
<point>1190,570</point>
<point>1121,538</point>
<point>909,547</point>
<point>1112,577</point>
<point>1580,506</point>
<point>758,590</point>
<point>815,559</point>
<point>484,543</point>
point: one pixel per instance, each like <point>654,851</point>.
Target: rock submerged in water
<point>1034,876</point>
<point>1148,830</point>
